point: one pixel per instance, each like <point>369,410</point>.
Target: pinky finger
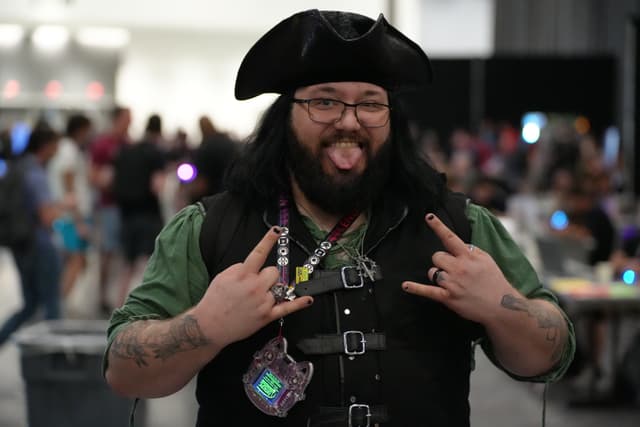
<point>435,293</point>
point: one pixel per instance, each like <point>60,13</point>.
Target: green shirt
<point>176,277</point>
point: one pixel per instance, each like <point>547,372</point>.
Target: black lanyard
<point>319,253</point>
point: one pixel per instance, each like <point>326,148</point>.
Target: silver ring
<point>436,274</point>
<point>279,292</point>
<point>471,247</point>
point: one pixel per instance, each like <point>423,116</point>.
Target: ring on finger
<point>436,275</point>
<point>471,247</point>
<point>279,292</point>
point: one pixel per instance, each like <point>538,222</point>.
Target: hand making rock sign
<point>465,278</point>
<point>528,335</point>
<point>239,300</point>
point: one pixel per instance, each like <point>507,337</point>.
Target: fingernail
<point>277,230</point>
<point>310,301</point>
<point>405,286</point>
<point>430,217</point>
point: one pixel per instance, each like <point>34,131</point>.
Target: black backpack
<point>16,227</point>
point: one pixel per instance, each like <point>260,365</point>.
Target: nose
<point>348,120</point>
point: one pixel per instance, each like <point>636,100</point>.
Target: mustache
<point>345,136</point>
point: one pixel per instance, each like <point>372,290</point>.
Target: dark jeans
<point>39,270</point>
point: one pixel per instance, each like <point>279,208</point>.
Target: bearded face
<point>338,163</point>
<point>334,190</point>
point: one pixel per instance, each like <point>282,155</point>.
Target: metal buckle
<point>345,337</point>
<point>344,278</point>
<point>367,415</point>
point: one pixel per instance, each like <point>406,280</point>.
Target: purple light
<point>186,172</point>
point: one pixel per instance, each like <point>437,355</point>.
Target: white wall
<point>457,28</point>
<point>182,76</point>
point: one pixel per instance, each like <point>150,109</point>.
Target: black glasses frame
<point>308,101</point>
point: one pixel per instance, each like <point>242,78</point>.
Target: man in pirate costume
<point>338,282</point>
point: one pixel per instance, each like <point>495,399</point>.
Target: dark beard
<point>344,193</point>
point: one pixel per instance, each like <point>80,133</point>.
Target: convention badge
<point>274,381</point>
<point>302,274</point>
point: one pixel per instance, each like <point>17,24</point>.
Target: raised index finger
<point>452,243</point>
<point>257,257</point>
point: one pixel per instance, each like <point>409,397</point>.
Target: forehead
<point>343,89</point>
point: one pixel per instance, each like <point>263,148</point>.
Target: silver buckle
<point>345,336</point>
<point>367,416</point>
<point>344,278</point>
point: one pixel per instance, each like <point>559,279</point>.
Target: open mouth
<point>345,154</point>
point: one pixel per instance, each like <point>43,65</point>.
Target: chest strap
<point>349,277</point>
<point>351,343</point>
<point>356,415</point>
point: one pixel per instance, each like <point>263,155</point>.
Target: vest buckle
<point>349,284</point>
<point>354,337</point>
<point>362,413</point>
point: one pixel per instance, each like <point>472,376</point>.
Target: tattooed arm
<point>154,358</point>
<point>528,335</point>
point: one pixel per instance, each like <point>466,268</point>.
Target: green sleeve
<point>175,277</point>
<point>488,234</point>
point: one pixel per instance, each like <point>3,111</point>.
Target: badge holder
<point>274,381</point>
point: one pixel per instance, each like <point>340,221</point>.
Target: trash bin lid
<point>68,336</point>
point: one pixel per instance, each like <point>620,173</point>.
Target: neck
<point>325,220</point>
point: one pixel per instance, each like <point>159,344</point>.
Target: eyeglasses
<point>329,111</point>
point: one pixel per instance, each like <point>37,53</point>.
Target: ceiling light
<point>10,35</point>
<point>103,37</point>
<point>50,37</point>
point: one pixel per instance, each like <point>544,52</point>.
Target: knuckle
<point>259,250</point>
<point>271,270</point>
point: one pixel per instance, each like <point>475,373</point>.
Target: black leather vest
<point>423,375</point>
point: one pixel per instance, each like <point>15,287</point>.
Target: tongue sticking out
<point>344,158</point>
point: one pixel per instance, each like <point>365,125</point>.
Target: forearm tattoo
<point>548,320</point>
<point>183,335</point>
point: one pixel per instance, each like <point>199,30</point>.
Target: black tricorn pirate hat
<point>315,46</point>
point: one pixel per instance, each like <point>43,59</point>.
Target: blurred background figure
<point>69,182</point>
<point>37,261</point>
<point>138,177</point>
<point>107,217</point>
<point>174,194</point>
<point>211,160</point>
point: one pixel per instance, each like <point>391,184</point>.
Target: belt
<point>348,277</point>
<point>356,415</point>
<point>351,343</point>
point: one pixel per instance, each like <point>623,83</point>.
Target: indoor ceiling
<point>248,16</point>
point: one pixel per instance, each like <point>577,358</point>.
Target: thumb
<point>435,293</point>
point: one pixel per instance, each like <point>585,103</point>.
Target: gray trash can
<point>62,369</point>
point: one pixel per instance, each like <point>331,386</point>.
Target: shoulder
<point>221,202</point>
<point>190,216</point>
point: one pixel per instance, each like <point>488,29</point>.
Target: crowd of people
<point>103,191</point>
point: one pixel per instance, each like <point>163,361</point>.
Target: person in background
<point>69,179</point>
<point>211,160</point>
<point>137,182</point>
<point>38,262</point>
<point>108,227</point>
<point>386,278</point>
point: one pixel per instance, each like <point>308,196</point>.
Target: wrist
<point>502,307</point>
<point>209,327</point>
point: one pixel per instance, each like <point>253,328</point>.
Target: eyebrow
<point>331,90</point>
